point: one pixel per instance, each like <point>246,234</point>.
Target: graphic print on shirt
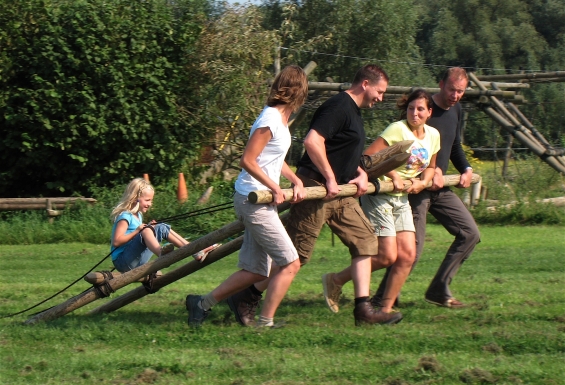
<point>418,160</point>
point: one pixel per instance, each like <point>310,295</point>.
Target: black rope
<point>59,292</point>
<point>107,288</point>
<point>207,210</point>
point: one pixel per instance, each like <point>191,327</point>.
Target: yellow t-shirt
<point>421,150</point>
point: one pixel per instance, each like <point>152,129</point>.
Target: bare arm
<point>299,193</point>
<point>120,237</point>
<point>314,144</point>
<point>254,147</point>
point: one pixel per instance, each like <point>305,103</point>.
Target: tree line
<point>95,92</point>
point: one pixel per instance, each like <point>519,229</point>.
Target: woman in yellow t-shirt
<point>390,213</point>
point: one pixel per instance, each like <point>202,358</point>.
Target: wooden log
<point>469,93</point>
<point>534,146</point>
<point>125,279</point>
<point>7,204</point>
<point>170,277</point>
<point>175,275</point>
<point>347,190</point>
<point>96,277</point>
<point>530,76</point>
<point>206,196</point>
<point>376,165</point>
<point>511,124</point>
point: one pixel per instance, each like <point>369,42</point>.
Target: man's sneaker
<point>196,315</point>
<point>244,306</point>
<point>332,292</point>
<point>451,303</point>
<point>364,313</point>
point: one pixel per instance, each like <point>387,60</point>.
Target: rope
<point>105,289</point>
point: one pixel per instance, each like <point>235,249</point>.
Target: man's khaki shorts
<point>344,217</point>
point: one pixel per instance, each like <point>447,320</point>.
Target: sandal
<point>202,254</point>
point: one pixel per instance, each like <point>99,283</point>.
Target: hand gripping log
<point>347,190</point>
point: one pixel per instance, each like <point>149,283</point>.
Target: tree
<point>88,92</point>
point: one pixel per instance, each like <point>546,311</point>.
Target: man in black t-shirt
<point>334,145</point>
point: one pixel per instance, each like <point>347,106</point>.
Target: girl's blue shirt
<point>133,224</point>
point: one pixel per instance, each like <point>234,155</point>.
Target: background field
<point>512,333</point>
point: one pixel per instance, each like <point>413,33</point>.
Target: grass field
<point>513,332</point>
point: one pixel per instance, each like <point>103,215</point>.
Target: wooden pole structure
<point>170,277</point>
<point>403,90</point>
<point>151,267</point>
<point>512,125</point>
<point>530,76</point>
<point>347,190</point>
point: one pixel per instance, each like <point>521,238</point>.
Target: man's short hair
<point>370,72</point>
<point>456,73</point>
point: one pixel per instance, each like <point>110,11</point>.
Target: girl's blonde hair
<point>130,199</point>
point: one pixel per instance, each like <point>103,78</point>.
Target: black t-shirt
<point>338,120</point>
<point>448,123</point>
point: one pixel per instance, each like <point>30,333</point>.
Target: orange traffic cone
<point>182,194</point>
<point>146,177</point>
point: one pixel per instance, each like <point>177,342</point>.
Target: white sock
<point>265,321</point>
<point>208,301</point>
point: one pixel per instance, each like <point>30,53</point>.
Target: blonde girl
<point>133,243</point>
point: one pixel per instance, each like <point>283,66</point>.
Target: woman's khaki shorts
<point>388,214</point>
<point>265,238</point>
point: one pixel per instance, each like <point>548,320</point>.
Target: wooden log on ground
<point>557,202</point>
<point>151,267</point>
<point>170,277</point>
<point>175,275</point>
<point>97,277</point>
<point>7,204</point>
<point>347,190</point>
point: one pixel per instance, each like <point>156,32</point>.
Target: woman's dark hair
<point>406,99</point>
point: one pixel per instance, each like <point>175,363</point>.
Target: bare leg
<point>235,283</point>
<point>385,258</point>
<point>264,284</point>
<point>176,239</point>
<point>406,250</point>
<point>278,286</point>
<point>150,241</point>
<point>361,275</point>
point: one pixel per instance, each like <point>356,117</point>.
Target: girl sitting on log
<point>133,243</point>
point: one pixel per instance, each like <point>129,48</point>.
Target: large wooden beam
<point>170,277</point>
<point>402,90</point>
<point>151,267</point>
<point>347,190</point>
<point>530,76</point>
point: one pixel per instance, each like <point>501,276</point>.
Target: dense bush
<point>90,90</point>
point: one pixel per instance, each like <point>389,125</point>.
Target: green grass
<point>512,333</point>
